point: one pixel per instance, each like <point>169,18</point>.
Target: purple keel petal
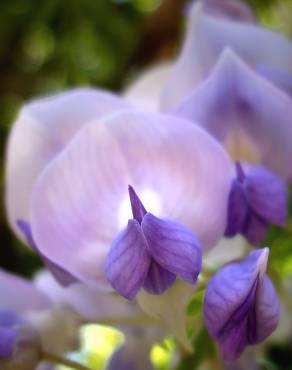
<point>61,275</point>
<point>268,309</point>
<point>254,229</point>
<point>158,279</point>
<point>128,261</point>
<point>7,341</point>
<point>234,300</point>
<point>267,194</point>
<point>237,209</point>
<point>173,246</point>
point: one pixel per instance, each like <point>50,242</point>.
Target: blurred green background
<point>50,45</point>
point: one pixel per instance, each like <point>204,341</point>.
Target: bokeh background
<point>50,45</point>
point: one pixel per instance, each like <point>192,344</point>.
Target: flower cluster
<point>128,194</point>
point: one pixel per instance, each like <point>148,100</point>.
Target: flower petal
<point>237,209</point>
<point>173,246</point>
<point>206,38</point>
<point>268,309</point>
<point>254,229</point>
<point>158,279</point>
<point>233,302</point>
<point>235,10</point>
<point>246,113</point>
<point>278,77</point>
<point>61,275</point>
<point>42,130</point>
<point>8,339</point>
<point>267,194</point>
<point>21,296</point>
<point>128,261</point>
<point>146,89</point>
<point>81,201</point>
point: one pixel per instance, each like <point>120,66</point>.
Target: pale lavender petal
<point>81,201</point>
<point>21,296</point>
<point>158,279</point>
<point>128,261</point>
<point>145,91</point>
<point>8,339</point>
<point>234,299</point>
<point>267,194</point>
<point>249,115</point>
<point>206,38</point>
<point>173,246</point>
<point>43,128</point>
<point>61,275</point>
<point>279,77</point>
<point>235,10</point>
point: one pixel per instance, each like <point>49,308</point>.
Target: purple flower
<point>241,307</point>
<point>30,322</point>
<point>246,113</point>
<point>257,199</point>
<point>234,10</point>
<point>80,202</point>
<point>207,36</point>
<point>150,253</point>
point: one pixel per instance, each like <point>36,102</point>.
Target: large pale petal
<point>43,128</point>
<point>146,90</point>
<point>81,200</point>
<point>207,36</point>
<point>246,113</point>
<point>235,10</point>
<point>20,295</point>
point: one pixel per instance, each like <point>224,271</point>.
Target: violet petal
<point>255,229</point>
<point>158,279</point>
<point>241,306</point>
<point>173,246</point>
<point>237,209</point>
<point>267,194</point>
<point>128,261</point>
<point>7,341</point>
<point>61,275</point>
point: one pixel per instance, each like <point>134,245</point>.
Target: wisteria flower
<point>241,307</point>
<point>208,35</point>
<point>29,322</point>
<point>252,119</point>
<point>81,203</point>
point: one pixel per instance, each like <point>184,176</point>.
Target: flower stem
<point>59,360</point>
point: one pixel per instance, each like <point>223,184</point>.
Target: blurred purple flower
<point>241,307</point>
<point>150,252</point>
<point>257,199</point>
<point>209,34</point>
